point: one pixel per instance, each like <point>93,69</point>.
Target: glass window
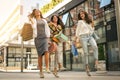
<point>113,52</point>
<point>104,3</point>
<point>18,50</point>
<point>68,59</point>
<point>11,50</point>
<point>64,18</point>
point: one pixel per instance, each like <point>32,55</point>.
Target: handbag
<point>27,32</point>
<point>55,39</point>
<point>52,47</point>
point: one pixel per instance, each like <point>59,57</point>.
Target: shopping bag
<point>74,50</point>
<point>27,32</point>
<point>64,37</point>
<point>61,37</point>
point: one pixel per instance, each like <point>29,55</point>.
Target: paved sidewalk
<point>66,75</point>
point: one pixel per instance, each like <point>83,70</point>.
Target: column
<point>117,8</point>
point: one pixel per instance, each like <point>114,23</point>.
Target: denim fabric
<point>85,40</point>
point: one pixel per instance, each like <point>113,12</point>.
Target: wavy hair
<point>87,17</point>
<point>33,13</point>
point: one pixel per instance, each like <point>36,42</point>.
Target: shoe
<point>47,70</point>
<point>41,75</point>
<point>62,69</point>
<point>96,67</point>
<point>88,73</point>
<point>55,74</point>
<point>88,70</point>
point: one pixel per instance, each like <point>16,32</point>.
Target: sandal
<point>41,75</point>
<point>96,67</point>
<point>47,70</point>
<point>88,70</point>
<point>55,74</point>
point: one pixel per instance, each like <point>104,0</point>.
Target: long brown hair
<point>33,13</point>
<point>87,17</point>
<point>59,22</point>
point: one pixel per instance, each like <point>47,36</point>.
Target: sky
<point>6,7</point>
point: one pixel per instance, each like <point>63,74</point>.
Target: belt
<point>85,35</point>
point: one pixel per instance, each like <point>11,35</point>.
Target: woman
<point>41,33</point>
<point>56,28</point>
<point>84,30</point>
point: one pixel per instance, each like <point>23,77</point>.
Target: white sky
<point>6,8</point>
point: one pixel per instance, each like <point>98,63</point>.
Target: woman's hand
<point>76,38</point>
<point>30,19</point>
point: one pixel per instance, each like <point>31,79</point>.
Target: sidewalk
<point>99,73</point>
<point>65,75</point>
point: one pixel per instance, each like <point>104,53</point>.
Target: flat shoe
<point>41,75</point>
<point>48,71</point>
<point>55,74</point>
<point>88,73</point>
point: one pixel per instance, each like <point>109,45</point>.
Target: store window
<point>113,52</point>
<point>64,18</point>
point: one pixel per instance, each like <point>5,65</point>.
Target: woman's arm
<point>47,29</point>
<point>78,29</point>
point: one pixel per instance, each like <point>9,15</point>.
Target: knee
<point>86,53</point>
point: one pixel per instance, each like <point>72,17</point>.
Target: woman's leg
<point>40,63</point>
<point>84,42</point>
<point>59,54</point>
<point>55,64</point>
<point>40,66</point>
<point>47,61</point>
<point>95,49</point>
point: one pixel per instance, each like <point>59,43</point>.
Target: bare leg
<point>40,63</point>
<point>40,66</point>
<point>88,70</point>
<point>59,66</point>
<point>96,64</point>
<point>47,61</point>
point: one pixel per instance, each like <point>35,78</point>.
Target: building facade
<point>12,50</point>
<point>104,15</point>
<point>106,18</point>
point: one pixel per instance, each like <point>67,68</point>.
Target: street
<point>66,75</point>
